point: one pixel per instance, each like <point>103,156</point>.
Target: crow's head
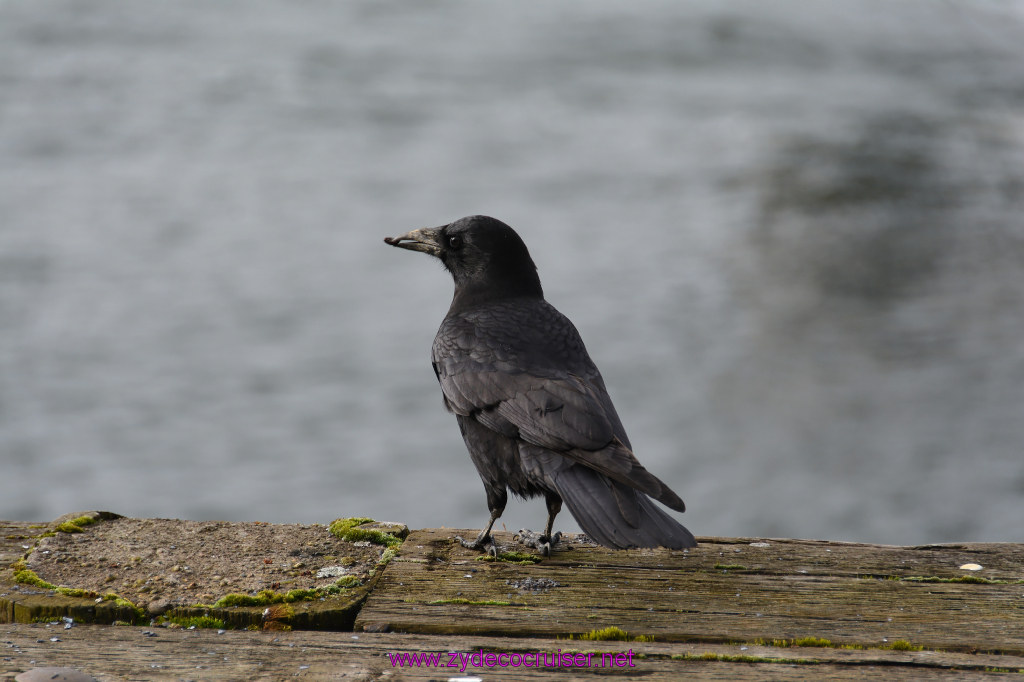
<point>486,257</point>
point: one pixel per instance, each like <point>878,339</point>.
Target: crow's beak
<point>426,240</point>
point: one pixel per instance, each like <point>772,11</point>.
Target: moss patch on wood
<point>471,602</point>
<point>610,634</point>
<point>730,658</point>
<point>268,597</point>
<point>799,641</point>
<point>196,622</point>
<point>26,576</point>
<point>963,579</point>
<point>76,525</point>
<point>349,530</point>
<point>518,558</point>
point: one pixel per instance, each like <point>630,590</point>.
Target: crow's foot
<point>484,542</point>
<point>538,541</point>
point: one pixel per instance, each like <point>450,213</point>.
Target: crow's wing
<point>521,369</point>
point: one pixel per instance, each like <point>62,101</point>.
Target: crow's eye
<point>455,242</point>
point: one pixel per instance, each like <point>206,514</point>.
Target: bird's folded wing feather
<point>556,410</point>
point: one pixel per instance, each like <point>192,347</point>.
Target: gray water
<point>790,234</point>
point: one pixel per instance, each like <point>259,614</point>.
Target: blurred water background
<point>790,233</point>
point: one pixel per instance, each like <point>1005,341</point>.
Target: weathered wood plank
<point>714,593</point>
<point>731,608</point>
<point>999,560</point>
<point>132,653</point>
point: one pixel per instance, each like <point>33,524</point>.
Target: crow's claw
<point>538,541</point>
<point>484,542</point>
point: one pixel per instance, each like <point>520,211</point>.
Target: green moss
<point>238,599</point>
<point>386,558</point>
<point>471,602</point>
<point>302,595</point>
<point>268,597</point>
<point>199,622</point>
<point>348,530</point>
<point>611,634</point>
<point>519,558</point>
<point>898,645</point>
<point>263,598</point>
<point>341,586</point>
<point>730,567</point>
<point>771,642</point>
<point>724,657</point>
<point>813,641</point>
<point>124,603</point>
<point>76,525</point>
<point>968,579</point>
<point>347,582</point>
<point>27,576</point>
<point>804,641</point>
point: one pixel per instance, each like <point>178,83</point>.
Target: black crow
<point>531,404</point>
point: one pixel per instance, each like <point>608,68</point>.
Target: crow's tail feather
<point>616,515</point>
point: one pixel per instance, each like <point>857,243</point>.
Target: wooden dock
<point>735,608</point>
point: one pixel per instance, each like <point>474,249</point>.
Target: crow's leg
<point>496,501</point>
<point>543,542</point>
<point>484,540</point>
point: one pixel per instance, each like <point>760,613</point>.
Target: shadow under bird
<point>531,404</point>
